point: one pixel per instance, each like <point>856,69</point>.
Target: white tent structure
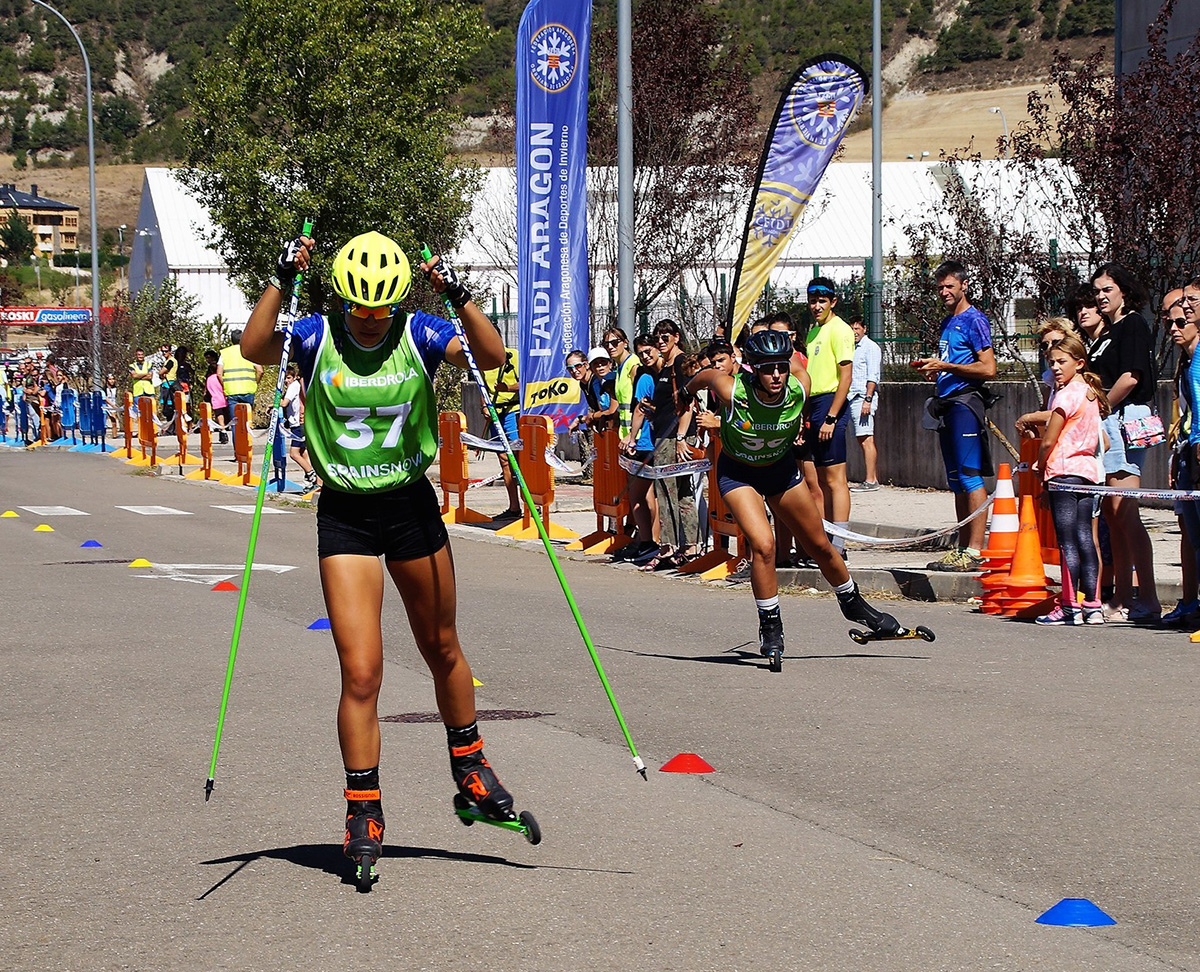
<point>172,239</point>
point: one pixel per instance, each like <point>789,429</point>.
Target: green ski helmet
<point>371,271</point>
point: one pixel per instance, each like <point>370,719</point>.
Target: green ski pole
<point>276,413</point>
<point>541,528</point>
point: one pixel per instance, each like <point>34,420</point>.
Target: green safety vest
<point>625,375</point>
<point>370,416</point>
<point>759,434</point>
<point>237,374</point>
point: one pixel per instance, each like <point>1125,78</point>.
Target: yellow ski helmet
<point>371,271</point>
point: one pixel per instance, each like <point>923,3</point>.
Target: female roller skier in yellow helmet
<point>371,424</point>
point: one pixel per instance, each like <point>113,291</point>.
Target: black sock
<point>367,779</point>
<point>458,738</point>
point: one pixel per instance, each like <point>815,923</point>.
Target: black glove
<point>285,267</point>
<point>456,291</point>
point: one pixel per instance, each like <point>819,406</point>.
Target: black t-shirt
<point>664,421</point>
<point>1125,346</point>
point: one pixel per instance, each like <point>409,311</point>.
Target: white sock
<point>767,603</point>
<point>845,588</point>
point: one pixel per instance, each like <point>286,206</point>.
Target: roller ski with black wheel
<point>363,843</point>
<point>482,798</point>
<point>882,626</point>
<point>770,638</point>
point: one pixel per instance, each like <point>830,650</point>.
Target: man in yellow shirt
<point>830,367</point>
<point>141,377</point>
<point>239,376</point>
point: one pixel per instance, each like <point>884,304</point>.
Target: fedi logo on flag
<point>551,144</point>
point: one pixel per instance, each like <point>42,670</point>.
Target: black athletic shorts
<point>772,480</point>
<point>397,524</point>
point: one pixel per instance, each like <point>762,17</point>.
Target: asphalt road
<point>906,806</point>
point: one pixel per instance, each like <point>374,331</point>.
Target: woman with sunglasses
<point>763,412</point>
<point>370,423</point>
<point>1050,334</point>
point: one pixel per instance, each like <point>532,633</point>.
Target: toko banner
<point>551,147</point>
<point>818,104</point>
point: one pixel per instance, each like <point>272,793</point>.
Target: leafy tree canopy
<point>336,111</point>
<point>16,239</point>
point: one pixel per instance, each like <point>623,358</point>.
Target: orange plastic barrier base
<point>537,432</point>
<point>610,497</point>
<point>453,470</point>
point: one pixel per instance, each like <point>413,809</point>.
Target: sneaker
<point>956,561</point>
<point>948,561</point>
<point>864,487</point>
<point>1141,614</point>
<point>1182,611</point>
<point>1059,616</point>
<point>1093,612</point>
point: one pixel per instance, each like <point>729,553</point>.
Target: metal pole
<point>625,166</point>
<point>875,325</point>
<point>97,381</point>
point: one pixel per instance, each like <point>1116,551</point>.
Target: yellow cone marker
<point>476,682</point>
<point>140,562</point>
<point>44,528</point>
<point>8,513</point>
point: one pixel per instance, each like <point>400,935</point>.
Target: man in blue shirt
<point>965,360</point>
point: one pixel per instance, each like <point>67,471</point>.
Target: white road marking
<point>155,510</point>
<point>247,509</point>
<point>54,511</point>
<point>237,568</point>
<point>208,574</point>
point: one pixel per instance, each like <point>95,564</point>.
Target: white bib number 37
<point>359,435</point>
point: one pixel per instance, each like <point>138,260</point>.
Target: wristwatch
<point>830,420</point>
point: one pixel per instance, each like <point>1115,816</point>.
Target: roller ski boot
<point>363,842</point>
<point>482,798</point>
<point>770,638</point>
<point>883,627</point>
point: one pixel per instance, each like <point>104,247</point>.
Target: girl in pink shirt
<point>1070,455</point>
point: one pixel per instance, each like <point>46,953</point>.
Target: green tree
<point>16,239</point>
<point>337,111</point>
<point>120,120</point>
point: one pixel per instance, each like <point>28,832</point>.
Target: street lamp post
<point>97,380</point>
<point>996,110</point>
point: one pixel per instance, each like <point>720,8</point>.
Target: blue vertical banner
<point>551,149</point>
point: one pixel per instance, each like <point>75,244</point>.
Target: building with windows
<point>55,224</point>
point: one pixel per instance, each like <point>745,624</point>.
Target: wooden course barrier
<point>610,497</point>
<point>453,471</point>
<point>147,435</point>
<point>206,456</point>
<point>180,458</point>
<point>537,434</point>
<point>129,452</point>
<point>719,562</point>
<point>243,449</point>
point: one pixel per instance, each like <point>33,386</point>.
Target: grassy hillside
<point>144,52</point>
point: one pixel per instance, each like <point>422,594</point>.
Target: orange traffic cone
<point>1026,586</point>
<point>1003,528</point>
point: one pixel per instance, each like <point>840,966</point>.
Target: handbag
<point>1142,433</point>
